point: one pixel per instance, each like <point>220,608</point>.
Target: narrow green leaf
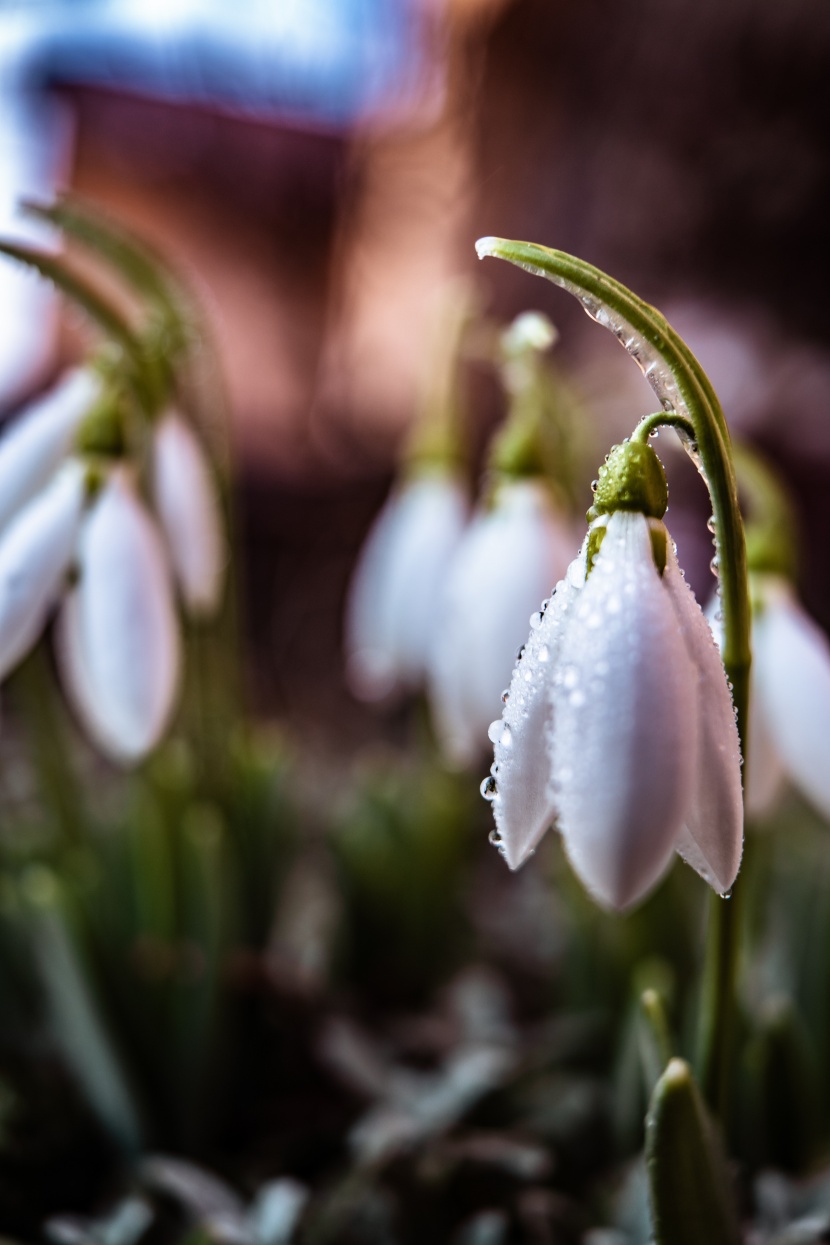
<point>689,1186</point>
<point>76,288</point>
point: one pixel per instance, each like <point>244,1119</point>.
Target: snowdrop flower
<point>509,556</point>
<point>41,437</point>
<point>619,724</point>
<point>789,725</point>
<point>390,612</point>
<point>186,501</point>
<point>118,635</point>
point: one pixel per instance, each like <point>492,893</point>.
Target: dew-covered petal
<point>510,556</point>
<point>624,727</point>
<point>40,437</point>
<point>520,786</point>
<point>390,612</point>
<point>711,840</point>
<point>792,683</point>
<point>118,637</point>
<point>187,503</point>
<point>36,551</point>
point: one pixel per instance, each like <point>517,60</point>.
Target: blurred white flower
<point>187,503</point>
<point>505,564</point>
<point>41,436</point>
<point>620,726</point>
<point>118,635</point>
<point>36,552</point>
<point>789,730</point>
<point>390,611</point>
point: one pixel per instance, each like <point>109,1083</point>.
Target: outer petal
<point>36,551</point>
<point>712,837</point>
<point>792,680</point>
<point>390,613</point>
<point>186,499</point>
<point>624,733</point>
<point>520,786</point>
<point>504,566</point>
<point>40,437</point>
<point>119,647</point>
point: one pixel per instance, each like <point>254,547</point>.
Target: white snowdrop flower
<point>390,610</point>
<point>36,552</point>
<point>40,437</point>
<point>790,729</point>
<point>186,500</point>
<point>118,636</point>
<point>508,558</point>
<point>619,723</point>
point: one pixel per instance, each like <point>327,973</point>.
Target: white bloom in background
<point>504,566</point>
<point>36,553</point>
<point>390,611</point>
<point>41,437</point>
<point>789,732</point>
<point>619,725</point>
<point>118,635</point>
<point>187,503</point>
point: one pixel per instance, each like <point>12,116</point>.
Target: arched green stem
<point>663,419</point>
<point>691,406</point>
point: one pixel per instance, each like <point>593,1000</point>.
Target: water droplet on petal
<point>488,788</point>
<point>535,620</point>
<point>494,731</point>
<point>505,696</point>
<point>520,652</point>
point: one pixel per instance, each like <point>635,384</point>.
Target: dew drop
<point>712,524</point>
<point>488,788</point>
<point>520,652</point>
<point>726,895</point>
<point>535,621</point>
<point>495,838</point>
<point>505,696</point>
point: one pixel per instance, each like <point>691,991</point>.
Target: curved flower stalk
<point>118,635</point>
<point>401,570</point>
<point>508,557</point>
<point>619,722</point>
<point>187,502</point>
<point>690,405</point>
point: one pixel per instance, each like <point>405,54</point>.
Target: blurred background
<point>318,172</point>
<point>320,169</point>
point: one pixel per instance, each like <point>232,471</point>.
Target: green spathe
<point>631,478</point>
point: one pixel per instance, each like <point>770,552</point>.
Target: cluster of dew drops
<point>499,731</point>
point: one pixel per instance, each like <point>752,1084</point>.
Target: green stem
<point>691,405</point>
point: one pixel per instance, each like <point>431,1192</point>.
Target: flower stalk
<point>691,406</point>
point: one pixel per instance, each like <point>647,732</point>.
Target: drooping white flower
<point>118,636</point>
<point>36,552</point>
<point>790,728</point>
<point>390,612</point>
<point>40,437</point>
<point>186,500</point>
<point>619,725</point>
<point>510,555</point>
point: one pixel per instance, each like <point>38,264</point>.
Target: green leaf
<point>691,1197</point>
<point>76,288</point>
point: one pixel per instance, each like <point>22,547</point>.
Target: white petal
<point>624,723</point>
<point>36,552</point>
<point>503,568</point>
<point>792,681</point>
<point>712,837</point>
<point>521,791</point>
<point>118,636</point>
<point>40,438</point>
<point>185,497</point>
<point>390,613</point>
<point>764,774</point>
